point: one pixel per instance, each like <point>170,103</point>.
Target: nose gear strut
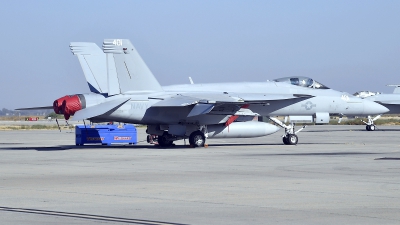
<point>370,126</point>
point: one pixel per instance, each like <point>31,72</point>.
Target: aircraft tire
<point>148,138</point>
<point>368,128</point>
<point>197,139</point>
<point>163,140</point>
<point>284,139</point>
<point>372,128</point>
<point>292,139</point>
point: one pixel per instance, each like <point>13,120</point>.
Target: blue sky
<point>346,45</point>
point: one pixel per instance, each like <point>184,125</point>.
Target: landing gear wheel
<point>292,139</point>
<point>368,128</point>
<point>284,139</point>
<point>197,139</point>
<point>163,140</point>
<point>372,128</point>
<point>149,139</point>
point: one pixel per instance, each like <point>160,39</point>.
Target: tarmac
<point>335,175</point>
<point>44,122</point>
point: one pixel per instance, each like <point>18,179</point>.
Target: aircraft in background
<point>180,111</point>
<point>390,101</point>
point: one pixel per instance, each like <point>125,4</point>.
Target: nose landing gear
<point>290,139</point>
<point>370,126</point>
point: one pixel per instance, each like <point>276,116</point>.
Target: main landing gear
<point>370,126</point>
<point>164,140</point>
<point>196,139</point>
<point>290,137</point>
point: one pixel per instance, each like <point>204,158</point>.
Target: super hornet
<point>124,90</point>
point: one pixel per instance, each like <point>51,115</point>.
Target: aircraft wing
<point>222,103</point>
<point>36,108</point>
<point>224,98</point>
<point>264,98</point>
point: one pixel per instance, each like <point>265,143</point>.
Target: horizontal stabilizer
<point>99,109</point>
<point>36,108</point>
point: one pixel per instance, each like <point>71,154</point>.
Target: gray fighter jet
<point>125,90</point>
<point>390,101</point>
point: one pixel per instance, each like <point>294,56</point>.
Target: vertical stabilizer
<point>112,76</point>
<point>93,63</point>
<point>132,72</point>
<point>396,89</point>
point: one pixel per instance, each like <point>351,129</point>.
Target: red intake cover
<point>70,106</point>
<point>57,104</point>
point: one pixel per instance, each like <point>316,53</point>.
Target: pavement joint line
<point>86,216</point>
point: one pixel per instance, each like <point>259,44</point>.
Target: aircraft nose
<point>371,108</point>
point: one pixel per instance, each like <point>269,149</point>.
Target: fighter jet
<point>133,95</point>
<point>390,101</point>
<point>181,111</point>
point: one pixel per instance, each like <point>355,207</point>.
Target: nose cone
<point>371,108</point>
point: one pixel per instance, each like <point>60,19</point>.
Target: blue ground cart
<point>105,134</point>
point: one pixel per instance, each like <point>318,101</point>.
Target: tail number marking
<point>117,42</point>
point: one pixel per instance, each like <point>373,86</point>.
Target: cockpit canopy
<point>302,82</point>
